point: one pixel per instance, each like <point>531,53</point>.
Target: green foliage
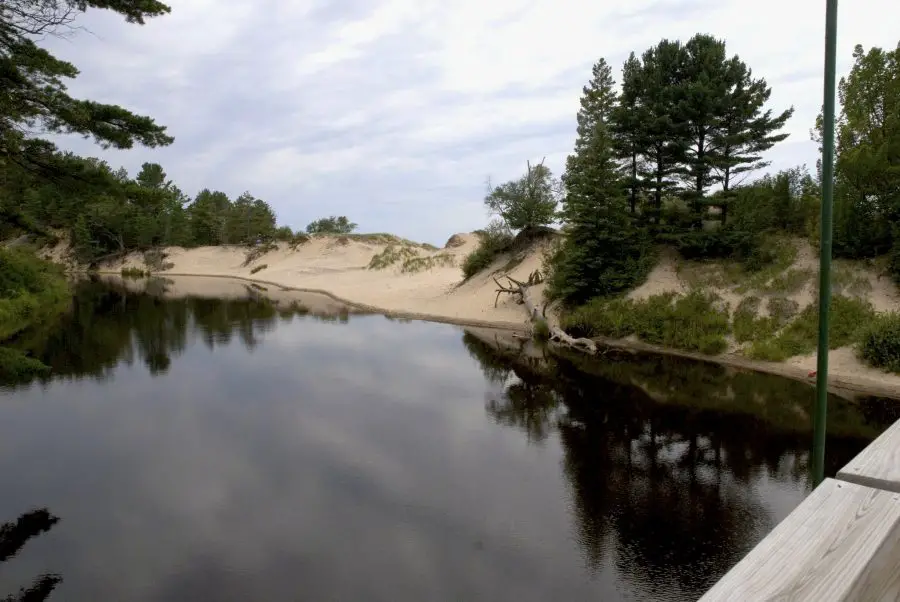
<point>867,155</point>
<point>540,330</point>
<point>848,319</point>
<point>16,367</point>
<point>880,343</point>
<point>297,239</point>
<point>604,253</point>
<point>391,255</point>
<point>31,290</point>
<point>134,273</point>
<point>331,225</point>
<point>527,203</point>
<point>418,263</point>
<point>694,322</point>
<point>258,268</point>
<point>493,241</point>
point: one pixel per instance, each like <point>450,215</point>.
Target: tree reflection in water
<point>109,324</point>
<point>664,456</point>
<point>13,537</point>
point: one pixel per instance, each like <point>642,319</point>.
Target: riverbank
<point>32,292</point>
<point>384,274</point>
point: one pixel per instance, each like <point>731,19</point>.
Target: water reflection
<point>223,449</point>
<point>13,537</point>
<point>114,320</point>
<point>665,456</point>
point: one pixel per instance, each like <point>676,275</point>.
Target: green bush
<point>880,343</point>
<point>31,290</point>
<point>693,322</point>
<point>848,318</point>
<point>16,367</point>
<point>134,273</point>
<point>259,268</point>
<point>492,241</point>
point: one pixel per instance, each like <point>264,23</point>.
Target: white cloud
<point>394,111</point>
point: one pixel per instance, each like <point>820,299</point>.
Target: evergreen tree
<point>745,130</point>
<point>603,253</point>
<point>664,136</point>
<point>702,92</point>
<point>597,102</point>
<point>627,122</point>
<point>34,100</point>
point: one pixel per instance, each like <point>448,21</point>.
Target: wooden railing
<point>841,543</point>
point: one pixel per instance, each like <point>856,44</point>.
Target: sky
<point>395,112</point>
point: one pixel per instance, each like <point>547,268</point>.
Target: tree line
<point>666,159</point>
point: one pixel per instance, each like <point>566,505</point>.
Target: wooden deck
<point>841,543</point>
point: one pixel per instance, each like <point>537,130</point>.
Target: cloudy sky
<point>394,112</point>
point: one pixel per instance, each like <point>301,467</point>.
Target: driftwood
<point>521,289</point>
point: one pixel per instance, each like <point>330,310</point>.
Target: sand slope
<point>338,266</point>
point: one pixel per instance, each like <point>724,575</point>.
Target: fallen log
<point>557,335</point>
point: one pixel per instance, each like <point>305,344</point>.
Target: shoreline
<point>838,383</point>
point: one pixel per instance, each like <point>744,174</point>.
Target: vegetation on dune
<point>664,161</point>
<point>409,259</point>
<point>880,342</point>
<point>331,225</point>
<point>693,322</point>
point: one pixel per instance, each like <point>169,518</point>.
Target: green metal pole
<point>825,250</point>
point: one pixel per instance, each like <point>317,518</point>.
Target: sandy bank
<point>338,269</point>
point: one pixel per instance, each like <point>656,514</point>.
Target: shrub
<point>31,290</point>
<point>848,318</point>
<point>155,260</point>
<point>258,268</point>
<point>391,255</point>
<point>693,322</point>
<point>880,343</point>
<point>16,367</point>
<point>540,330</point>
<point>258,251</point>
<point>298,239</point>
<point>134,273</point>
<point>331,225</point>
<point>492,241</point>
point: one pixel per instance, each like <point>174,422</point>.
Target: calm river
<point>239,449</point>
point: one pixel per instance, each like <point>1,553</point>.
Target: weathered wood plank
<point>878,465</point>
<point>842,543</point>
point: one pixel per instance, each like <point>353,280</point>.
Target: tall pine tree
<point>602,253</point>
<point>627,128</point>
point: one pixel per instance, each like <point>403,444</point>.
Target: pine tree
<point>34,100</point>
<point>627,122</point>
<point>663,141</point>
<point>597,102</point>
<point>745,130</point>
<point>603,253</point>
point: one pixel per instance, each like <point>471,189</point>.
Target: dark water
<point>199,449</point>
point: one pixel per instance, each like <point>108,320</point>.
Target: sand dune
<point>338,266</point>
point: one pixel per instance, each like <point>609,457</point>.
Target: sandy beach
<point>338,268</point>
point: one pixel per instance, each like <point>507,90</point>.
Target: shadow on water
<point>13,537</point>
<point>665,455</point>
<point>111,322</point>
